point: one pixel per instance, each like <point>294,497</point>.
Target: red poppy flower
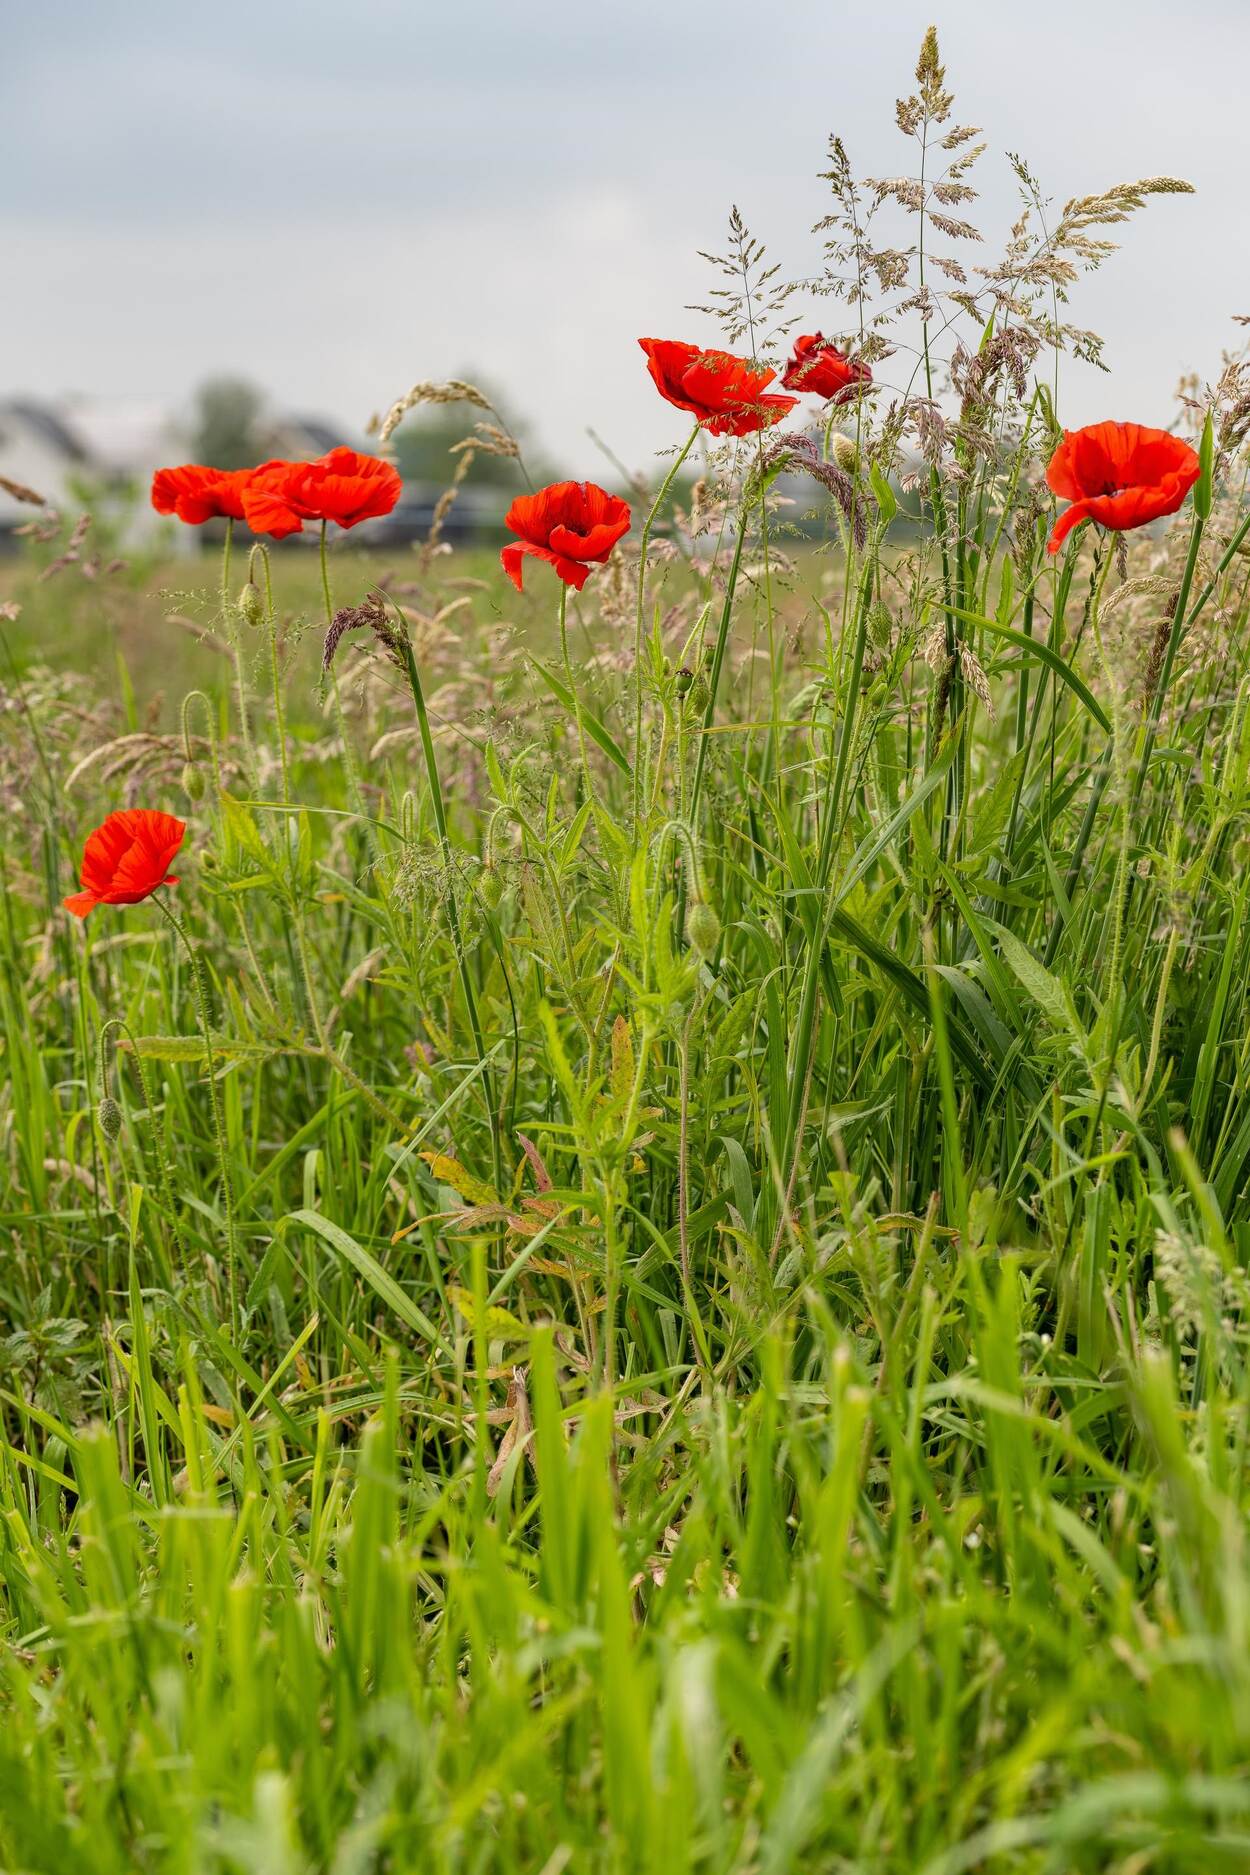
<point>725,393</point>
<point>127,859</point>
<point>1120,475</point>
<point>197,494</point>
<point>343,486</point>
<point>819,367</point>
<point>571,525</point>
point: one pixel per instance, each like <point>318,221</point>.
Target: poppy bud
<point>251,605</point>
<point>192,782</point>
<point>845,453</point>
<point>685,677</point>
<point>490,886</point>
<point>703,928</point>
<point>109,1115</point>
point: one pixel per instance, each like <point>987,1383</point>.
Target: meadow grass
<point>698,1321</point>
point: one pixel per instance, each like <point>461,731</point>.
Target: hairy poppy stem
<point>647,525</point>
<point>231,623</point>
<point>199,985</point>
<point>453,916</point>
<point>577,708</point>
<point>709,713</point>
<point>164,1173</point>
<point>275,671</point>
<point>1179,622</point>
<point>340,714</point>
<point>325,577</point>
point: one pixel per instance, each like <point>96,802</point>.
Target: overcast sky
<point>337,199</point>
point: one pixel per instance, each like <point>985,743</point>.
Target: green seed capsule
<point>251,605</point>
<point>702,928</point>
<point>845,453</point>
<point>490,885</point>
<point>685,677</point>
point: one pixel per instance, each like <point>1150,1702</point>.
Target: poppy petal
<point>513,554</point>
<point>127,858</point>
<point>1070,518</point>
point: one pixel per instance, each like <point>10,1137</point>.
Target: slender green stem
<point>233,625</point>
<point>718,659</point>
<point>325,576</point>
<point>199,983</point>
<point>340,714</point>
<point>804,1027</point>
<point>709,713</point>
<point>275,672</point>
<point>647,526</point>
<point>1179,622</point>
<point>577,708</point>
<point>453,915</point>
<point>335,1060</point>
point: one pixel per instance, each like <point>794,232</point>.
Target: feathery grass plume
<point>453,391</point>
<point>373,615</point>
<point>1041,263</point>
<point>799,452</point>
<point>753,306</point>
<point>20,492</point>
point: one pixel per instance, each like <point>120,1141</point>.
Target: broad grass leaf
<point>366,1264</point>
<point>1051,995</point>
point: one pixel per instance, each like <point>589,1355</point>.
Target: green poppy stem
<point>647,526</point>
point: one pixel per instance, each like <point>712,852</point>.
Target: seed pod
<point>685,677</point>
<point>845,453</point>
<point>490,885</point>
<point>251,605</point>
<point>109,1115</point>
<point>702,928</point>
<point>192,782</point>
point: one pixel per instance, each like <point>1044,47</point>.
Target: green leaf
<point>379,1280</point>
<point>243,827</point>
<point>1035,647</point>
<point>191,1048</point>
<point>495,772</point>
<point>1051,995</point>
<point>887,500</point>
<point>591,724</point>
<point>1206,471</point>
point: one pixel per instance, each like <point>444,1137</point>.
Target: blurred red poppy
<point>197,494</point>
<point>571,525</point>
<point>819,367</point>
<point>725,393</point>
<point>1120,475</point>
<point>342,486</point>
<point>127,859</point>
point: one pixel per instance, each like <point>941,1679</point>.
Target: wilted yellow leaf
<point>498,1323</point>
<point>622,1076</point>
<point>451,1172</point>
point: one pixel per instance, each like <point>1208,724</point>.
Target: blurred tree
<point>227,430</point>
